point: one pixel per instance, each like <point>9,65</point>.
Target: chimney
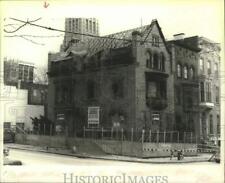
<point>178,36</point>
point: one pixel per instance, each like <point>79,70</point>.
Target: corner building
<point>130,78</point>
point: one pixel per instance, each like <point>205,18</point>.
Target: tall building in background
<point>81,26</point>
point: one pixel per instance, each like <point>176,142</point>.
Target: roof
<point>117,40</point>
<point>190,43</point>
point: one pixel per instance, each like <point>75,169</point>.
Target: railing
<point>140,135</point>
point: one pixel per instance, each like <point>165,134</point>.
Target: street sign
<point>93,115</point>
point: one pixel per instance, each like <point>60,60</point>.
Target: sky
<point>203,18</point>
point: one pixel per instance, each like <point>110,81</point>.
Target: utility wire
<point>76,33</point>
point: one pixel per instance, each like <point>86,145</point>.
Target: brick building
<point>137,80</point>
<point>186,85</point>
<point>197,87</point>
<point>128,76</point>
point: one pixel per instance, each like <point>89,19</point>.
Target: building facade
<point>79,25</point>
<point>209,74</point>
<point>197,63</point>
<point>129,79</point>
<point>137,80</point>
<point>186,85</point>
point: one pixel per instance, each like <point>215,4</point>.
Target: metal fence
<point>121,134</point>
<point>140,135</point>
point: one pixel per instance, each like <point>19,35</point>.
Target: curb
<point>112,159</point>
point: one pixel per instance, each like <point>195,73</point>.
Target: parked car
<point>9,136</point>
<point>217,157</point>
<point>6,151</point>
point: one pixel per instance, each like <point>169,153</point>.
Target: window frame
<point>179,70</point>
<point>185,72</point>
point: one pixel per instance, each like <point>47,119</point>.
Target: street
<point>44,167</point>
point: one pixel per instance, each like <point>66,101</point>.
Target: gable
<point>153,33</point>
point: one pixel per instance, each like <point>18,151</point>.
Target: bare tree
<point>40,75</point>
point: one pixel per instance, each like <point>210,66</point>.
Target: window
<point>217,94</point>
<point>151,90</point>
<point>156,89</point>
<point>117,88</point>
<point>178,70</point>
<point>209,67</point>
<point>149,59</point>
<point>201,66</point>
<point>162,62</point>
<point>20,72</point>
<point>155,40</point>
<point>208,92</point>
<point>202,92</point>
<point>94,27</point>
<point>189,102</point>
<point>31,74</point>
<point>185,72</point>
<point>191,73</point>
<point>155,61</point>
<point>86,24</point>
<point>216,69</point>
<point>90,26</point>
<point>211,124</point>
<point>218,124</point>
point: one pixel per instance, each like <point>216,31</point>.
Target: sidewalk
<point>200,158</point>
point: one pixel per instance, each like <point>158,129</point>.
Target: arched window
<point>185,72</point>
<point>149,59</point>
<point>179,71</point>
<point>155,61</point>
<point>162,62</point>
<point>191,73</point>
<point>201,66</point>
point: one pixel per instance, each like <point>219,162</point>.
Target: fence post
<point>164,137</point>
<point>191,137</point>
<point>157,136</point>
<point>84,132</point>
<point>171,137</point>
<point>102,133</point>
<point>50,130</point>
<point>111,133</point>
<point>132,134</point>
<point>196,139</point>
<point>178,137</point>
<point>39,127</point>
<point>184,136</point>
<point>122,134</point>
<point>44,129</point>
<point>150,135</point>
<point>142,136</point>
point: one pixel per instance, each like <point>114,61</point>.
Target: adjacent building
<point>186,85</point>
<point>21,97</point>
<point>197,64</point>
